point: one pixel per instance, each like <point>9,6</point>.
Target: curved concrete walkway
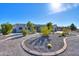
<point>45,53</point>
<point>72,47</point>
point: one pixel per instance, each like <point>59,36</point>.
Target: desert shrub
<point>33,30</point>
<point>45,31</point>
<point>49,45</point>
<point>65,32</point>
<point>0,30</point>
<point>6,28</point>
<point>24,32</point>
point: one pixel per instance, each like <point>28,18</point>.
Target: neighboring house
<point>38,27</point>
<point>55,27</point>
<point>59,28</point>
<point>19,27</point>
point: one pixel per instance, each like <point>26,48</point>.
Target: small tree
<point>73,27</point>
<point>50,26</point>
<point>45,31</point>
<point>6,28</point>
<point>31,27</point>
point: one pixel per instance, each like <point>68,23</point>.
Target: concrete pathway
<point>73,47</point>
<point>12,47</point>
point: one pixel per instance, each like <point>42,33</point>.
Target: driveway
<point>12,47</point>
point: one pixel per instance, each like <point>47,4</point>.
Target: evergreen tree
<point>73,27</point>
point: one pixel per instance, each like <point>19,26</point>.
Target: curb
<point>45,54</point>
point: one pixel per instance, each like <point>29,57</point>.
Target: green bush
<point>65,32</point>
<point>50,26</point>
<point>49,45</point>
<point>6,28</point>
<point>31,27</point>
<point>24,32</point>
<point>0,30</point>
<point>45,31</point>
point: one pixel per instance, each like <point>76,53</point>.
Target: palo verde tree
<point>31,26</point>
<point>50,26</point>
<point>6,28</point>
<point>45,31</point>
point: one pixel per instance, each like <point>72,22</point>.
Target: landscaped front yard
<point>13,47</point>
<point>30,42</point>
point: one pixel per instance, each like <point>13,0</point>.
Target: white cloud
<point>60,7</point>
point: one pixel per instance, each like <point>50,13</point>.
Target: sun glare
<point>55,7</point>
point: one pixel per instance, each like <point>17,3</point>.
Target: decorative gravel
<point>12,47</point>
<point>40,43</point>
<point>72,46</point>
<point>2,37</point>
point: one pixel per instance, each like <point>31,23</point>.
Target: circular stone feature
<point>40,44</point>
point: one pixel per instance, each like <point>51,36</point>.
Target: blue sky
<point>40,13</point>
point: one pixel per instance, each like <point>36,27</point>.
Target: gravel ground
<point>40,43</point>
<point>13,47</point>
<point>3,37</point>
<point>10,35</point>
<point>73,46</point>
